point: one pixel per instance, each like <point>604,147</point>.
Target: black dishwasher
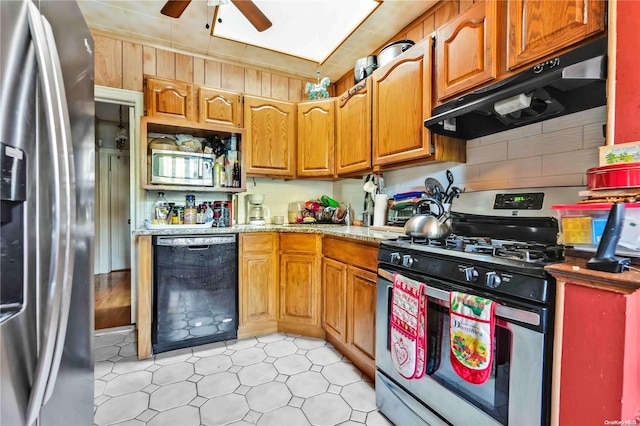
<point>195,290</point>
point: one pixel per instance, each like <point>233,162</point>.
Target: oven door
<point>513,393</point>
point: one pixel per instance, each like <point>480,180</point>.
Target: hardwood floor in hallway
<point>112,299</point>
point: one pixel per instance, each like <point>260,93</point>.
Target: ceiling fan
<point>174,8</point>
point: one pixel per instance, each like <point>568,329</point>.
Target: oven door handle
<point>502,311</point>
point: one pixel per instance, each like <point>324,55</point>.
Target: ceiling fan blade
<point>253,14</point>
<point>174,8</point>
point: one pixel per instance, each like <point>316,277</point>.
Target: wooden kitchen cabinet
<point>316,138</point>
<point>353,130</point>
<point>334,290</point>
<point>361,311</point>
<point>299,292</point>
<point>349,299</point>
<point>170,99</point>
<point>270,138</point>
<point>538,28</point>
<point>221,107</point>
<point>469,48</point>
<point>401,102</point>
<point>258,284</point>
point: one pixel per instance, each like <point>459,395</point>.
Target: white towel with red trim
<point>472,322</point>
<point>408,327</point>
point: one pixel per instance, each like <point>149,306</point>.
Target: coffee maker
<point>256,212</point>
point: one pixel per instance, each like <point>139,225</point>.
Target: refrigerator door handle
<point>70,209</point>
<point>61,266</point>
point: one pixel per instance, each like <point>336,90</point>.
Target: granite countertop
<point>355,232</point>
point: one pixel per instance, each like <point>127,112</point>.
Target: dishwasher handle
<point>197,242</point>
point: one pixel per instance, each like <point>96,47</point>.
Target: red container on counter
<point>614,176</point>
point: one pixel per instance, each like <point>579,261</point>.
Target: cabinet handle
<point>358,87</point>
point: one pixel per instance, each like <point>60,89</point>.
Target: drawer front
<point>360,255</point>
<point>264,242</point>
<point>300,243</point>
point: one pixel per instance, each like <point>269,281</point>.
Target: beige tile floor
<point>277,379</point>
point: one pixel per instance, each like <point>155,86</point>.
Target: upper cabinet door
<point>220,107</point>
<point>169,99</point>
<point>353,129</point>
<point>540,27</point>
<point>467,49</point>
<point>401,102</point>
<point>316,138</point>
<point>269,145</point>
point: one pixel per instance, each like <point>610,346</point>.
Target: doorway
<point>116,277</point>
<point>112,263</point>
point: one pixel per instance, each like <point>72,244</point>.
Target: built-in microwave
<point>181,168</point>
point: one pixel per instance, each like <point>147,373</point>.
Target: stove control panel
<point>492,279</point>
<point>520,201</point>
<point>470,273</point>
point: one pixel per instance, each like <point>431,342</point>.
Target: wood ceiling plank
<point>416,33</point>
<point>212,74</point>
<point>149,60</point>
<point>233,77</point>
<point>108,62</point>
<point>132,72</point>
<point>252,82</point>
<point>266,84</point>
<point>184,67</point>
<point>165,64</point>
<point>446,12</point>
<point>279,87</point>
<point>198,71</point>
<point>295,90</point>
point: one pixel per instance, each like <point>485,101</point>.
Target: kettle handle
<point>424,201</point>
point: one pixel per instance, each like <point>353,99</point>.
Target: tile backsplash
<point>555,152</point>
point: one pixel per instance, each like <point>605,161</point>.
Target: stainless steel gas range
<point>501,242</point>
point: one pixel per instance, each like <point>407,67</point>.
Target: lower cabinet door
<point>258,284</point>
<point>361,310</point>
<point>259,296</point>
<point>299,288</point>
<point>334,290</point>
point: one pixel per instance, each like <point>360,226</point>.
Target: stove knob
<point>407,260</point>
<point>493,280</point>
<point>470,274</point>
<point>395,258</point>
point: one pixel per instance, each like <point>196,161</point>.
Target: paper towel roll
<point>380,210</point>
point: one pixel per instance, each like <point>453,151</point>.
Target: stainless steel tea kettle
<point>430,225</point>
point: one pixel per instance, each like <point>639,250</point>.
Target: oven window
<point>492,397</point>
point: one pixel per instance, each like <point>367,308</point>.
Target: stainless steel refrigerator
<point>46,254</point>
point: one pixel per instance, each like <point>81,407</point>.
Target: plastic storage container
<point>582,225</point>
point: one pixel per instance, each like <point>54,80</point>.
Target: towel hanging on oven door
<point>471,332</point>
<point>408,328</point>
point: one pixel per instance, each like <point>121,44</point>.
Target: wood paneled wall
<point>417,30</point>
<point>121,64</point>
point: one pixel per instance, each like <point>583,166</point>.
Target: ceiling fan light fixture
<point>213,3</point>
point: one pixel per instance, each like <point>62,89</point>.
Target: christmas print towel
<point>471,331</point>
<point>408,327</point>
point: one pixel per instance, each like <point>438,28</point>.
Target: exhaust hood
<point>569,83</point>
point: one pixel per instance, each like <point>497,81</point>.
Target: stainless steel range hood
<point>569,83</point>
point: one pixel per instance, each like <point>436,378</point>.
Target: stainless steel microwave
<point>181,168</point>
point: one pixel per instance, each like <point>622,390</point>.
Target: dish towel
<point>408,327</point>
<point>471,332</point>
